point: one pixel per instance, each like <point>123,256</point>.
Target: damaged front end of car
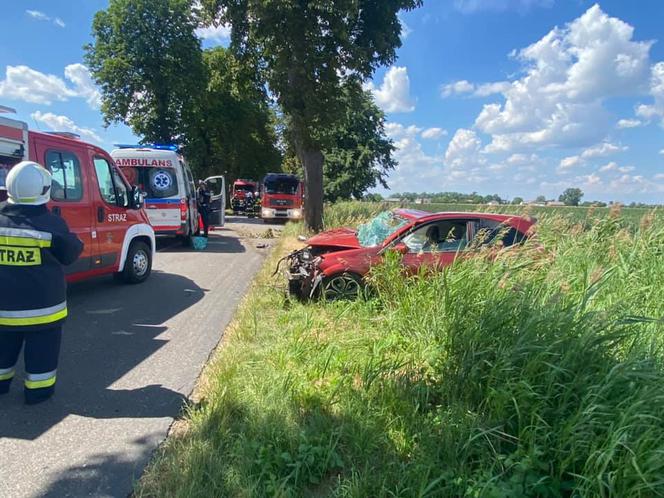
<point>303,272</point>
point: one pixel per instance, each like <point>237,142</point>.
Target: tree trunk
<point>312,161</point>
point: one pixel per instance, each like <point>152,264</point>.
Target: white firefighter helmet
<point>28,183</point>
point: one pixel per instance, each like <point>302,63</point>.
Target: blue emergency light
<point>172,147</point>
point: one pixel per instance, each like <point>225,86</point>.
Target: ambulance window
<point>66,172</point>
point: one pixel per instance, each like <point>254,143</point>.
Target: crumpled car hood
<point>343,238</point>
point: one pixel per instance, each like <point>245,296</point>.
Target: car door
<point>71,196</point>
<point>217,187</point>
<point>111,204</point>
<point>435,245</point>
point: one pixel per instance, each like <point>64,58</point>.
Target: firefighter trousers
<point>42,348</point>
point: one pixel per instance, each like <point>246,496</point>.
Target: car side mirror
<point>401,248</point>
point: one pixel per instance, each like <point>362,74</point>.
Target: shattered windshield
<point>380,228</point>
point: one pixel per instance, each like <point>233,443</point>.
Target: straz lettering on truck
<point>20,256</point>
<point>116,217</point>
<point>157,163</point>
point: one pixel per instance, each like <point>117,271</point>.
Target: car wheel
<point>342,286</point>
<point>138,265</point>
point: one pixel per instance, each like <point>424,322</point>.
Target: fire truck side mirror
<point>137,197</point>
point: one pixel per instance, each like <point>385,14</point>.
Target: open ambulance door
<point>217,187</point>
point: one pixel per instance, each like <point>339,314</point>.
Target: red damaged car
<point>334,262</point>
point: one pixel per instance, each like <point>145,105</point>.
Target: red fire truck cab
<point>91,194</point>
<point>281,197</point>
<point>239,194</point>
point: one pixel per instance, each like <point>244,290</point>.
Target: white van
<point>169,186</point>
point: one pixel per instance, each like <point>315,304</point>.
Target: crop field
<point>536,373</point>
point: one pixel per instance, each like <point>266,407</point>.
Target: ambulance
<point>168,186</point>
<point>92,195</point>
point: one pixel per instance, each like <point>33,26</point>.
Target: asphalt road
<point>130,357</point>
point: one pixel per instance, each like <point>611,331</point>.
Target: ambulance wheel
<point>138,264</point>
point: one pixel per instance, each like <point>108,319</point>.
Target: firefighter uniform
<point>34,246</point>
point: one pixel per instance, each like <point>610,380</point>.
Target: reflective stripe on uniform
<point>6,373</point>
<point>20,237</point>
<point>40,381</point>
<point>34,317</point>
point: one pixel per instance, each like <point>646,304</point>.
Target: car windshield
<point>380,228</point>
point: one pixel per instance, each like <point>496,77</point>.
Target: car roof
<point>424,216</point>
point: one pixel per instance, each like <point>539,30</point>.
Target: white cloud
<point>524,160</point>
<point>63,123</point>
<point>612,166</point>
<point>416,170</point>
<point>433,133</point>
<point>217,34</point>
<point>40,16</point>
<point>472,6</point>
<point>655,110</point>
<point>603,149</point>
<point>84,86</point>
<point>463,151</point>
<point>405,29</point>
<point>456,88</point>
<point>628,123</point>
<point>570,162</point>
<point>464,87</point>
<point>569,74</point>
<point>28,85</point>
<point>394,94</point>
<point>661,152</point>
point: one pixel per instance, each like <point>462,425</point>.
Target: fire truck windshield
<point>281,186</point>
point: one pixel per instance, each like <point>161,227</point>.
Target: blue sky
<point>515,97</point>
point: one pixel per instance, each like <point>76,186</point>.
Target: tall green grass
<point>536,372</point>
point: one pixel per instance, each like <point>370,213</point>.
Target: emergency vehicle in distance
<point>169,188</point>
<point>91,194</point>
<point>281,197</point>
<point>239,191</point>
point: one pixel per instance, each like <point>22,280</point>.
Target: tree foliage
<point>305,48</point>
<point>231,129</point>
<point>147,60</point>
<point>571,196</point>
<point>358,153</point>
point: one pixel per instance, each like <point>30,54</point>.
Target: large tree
<point>571,196</point>
<point>306,47</point>
<point>357,151</point>
<point>231,128</point>
<point>147,60</point>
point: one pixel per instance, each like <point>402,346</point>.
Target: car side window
<point>491,232</point>
<point>65,168</point>
<point>111,186</point>
<point>440,236</point>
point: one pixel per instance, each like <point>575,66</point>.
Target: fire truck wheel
<point>138,264</point>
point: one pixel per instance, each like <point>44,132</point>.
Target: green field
<point>539,373</point>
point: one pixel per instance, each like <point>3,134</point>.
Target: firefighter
<point>34,246</point>
<point>204,196</point>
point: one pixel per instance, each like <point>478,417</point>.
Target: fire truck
<point>90,192</point>
<point>281,197</point>
<point>239,191</point>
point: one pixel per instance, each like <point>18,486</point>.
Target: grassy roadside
<point>537,375</point>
